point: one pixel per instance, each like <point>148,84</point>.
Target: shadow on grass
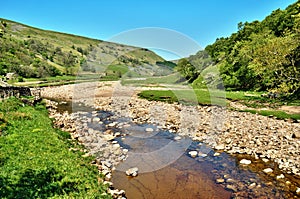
<point>35,184</point>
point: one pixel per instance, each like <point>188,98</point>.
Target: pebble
<point>220,147</point>
<point>251,186</point>
<point>177,138</point>
<point>298,190</point>
<point>245,162</point>
<point>280,177</point>
<point>193,154</point>
<point>231,188</point>
<point>268,170</point>
<point>220,180</point>
<point>132,172</point>
<point>217,154</point>
<point>149,130</point>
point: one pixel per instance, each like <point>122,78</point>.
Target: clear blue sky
<point>201,20</point>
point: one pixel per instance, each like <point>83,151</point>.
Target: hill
<point>32,52</point>
<point>262,55</point>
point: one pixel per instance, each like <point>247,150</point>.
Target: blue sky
<point>201,20</point>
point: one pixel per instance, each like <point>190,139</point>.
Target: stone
<point>149,130</point>
<point>220,147</point>
<point>251,186</point>
<point>96,119</point>
<point>193,154</point>
<point>280,177</point>
<point>265,160</point>
<point>217,154</point>
<point>268,170</point>
<point>298,191</point>
<point>245,162</point>
<point>108,137</point>
<point>132,172</point>
<point>177,138</point>
<point>296,135</point>
<point>220,180</point>
<point>231,188</point>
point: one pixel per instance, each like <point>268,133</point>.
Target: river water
<point>167,170</point>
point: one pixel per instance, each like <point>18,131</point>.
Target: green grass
<point>192,97</point>
<point>35,161</point>
<point>274,113</point>
<point>170,79</point>
<point>204,97</point>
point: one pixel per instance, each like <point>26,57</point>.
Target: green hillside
<point>262,55</point>
<point>35,53</point>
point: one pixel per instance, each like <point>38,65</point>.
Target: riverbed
<point>215,171</point>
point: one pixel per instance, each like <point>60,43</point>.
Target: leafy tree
<point>187,70</point>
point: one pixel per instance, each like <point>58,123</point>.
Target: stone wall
<point>10,91</point>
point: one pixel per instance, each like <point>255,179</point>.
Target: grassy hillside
<point>262,55</point>
<point>35,53</point>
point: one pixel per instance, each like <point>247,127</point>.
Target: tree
<point>187,70</point>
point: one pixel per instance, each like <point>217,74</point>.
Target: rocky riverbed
<point>260,137</point>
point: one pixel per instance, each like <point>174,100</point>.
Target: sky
<point>201,21</point>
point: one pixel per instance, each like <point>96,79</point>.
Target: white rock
<point>217,154</point>
<point>298,190</point>
<point>108,137</point>
<point>220,147</point>
<point>132,171</point>
<point>268,170</point>
<point>246,162</point>
<point>149,130</point>
<point>265,160</point>
<point>116,146</point>
<point>280,177</point>
<point>96,119</point>
<point>193,154</point>
<point>177,138</point>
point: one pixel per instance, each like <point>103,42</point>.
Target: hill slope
<point>32,52</point>
<point>262,55</point>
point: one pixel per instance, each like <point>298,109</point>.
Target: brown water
<point>183,179</point>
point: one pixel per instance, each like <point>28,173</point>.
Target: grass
<point>170,79</point>
<point>274,113</point>
<point>35,160</point>
<point>205,97</point>
<point>192,97</point>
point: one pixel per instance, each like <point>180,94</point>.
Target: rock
<point>149,130</point>
<point>251,186</point>
<point>298,191</point>
<point>280,177</point>
<point>231,188</point>
<point>193,154</point>
<point>220,180</point>
<point>132,172</point>
<point>96,119</point>
<point>217,154</point>
<point>108,137</point>
<point>220,147</point>
<point>177,138</point>
<point>296,135</point>
<point>245,162</point>
<point>268,170</point>
<point>265,160</point>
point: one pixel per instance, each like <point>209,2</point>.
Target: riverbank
<point>36,160</point>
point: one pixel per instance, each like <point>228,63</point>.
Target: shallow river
<point>167,170</point>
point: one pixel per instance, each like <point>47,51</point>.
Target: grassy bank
<point>252,100</point>
<point>35,160</point>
